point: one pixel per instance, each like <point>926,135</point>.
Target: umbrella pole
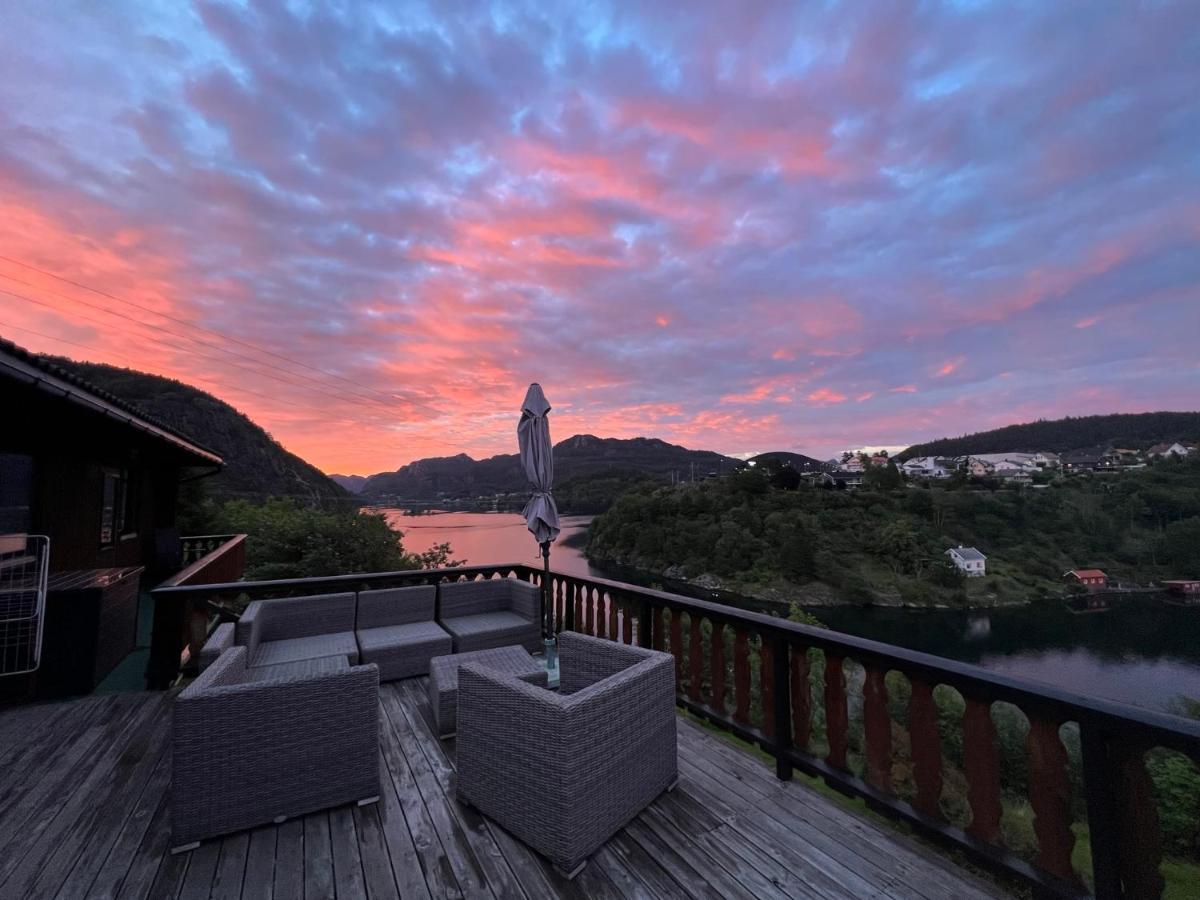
<point>547,627</point>
<point>548,639</point>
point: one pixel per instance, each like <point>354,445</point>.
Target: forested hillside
<point>580,456</point>
<point>1134,430</point>
<point>823,545</point>
<point>256,466</point>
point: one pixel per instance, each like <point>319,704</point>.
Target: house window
<point>118,507</point>
<point>108,508</point>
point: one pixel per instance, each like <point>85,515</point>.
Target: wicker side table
<point>443,678</point>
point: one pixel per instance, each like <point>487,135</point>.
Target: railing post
<point>166,641</point>
<point>1099,791</point>
<point>644,636</point>
<point>781,676</point>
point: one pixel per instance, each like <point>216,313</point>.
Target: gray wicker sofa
<point>565,771</point>
<point>496,612</point>
<point>298,628</point>
<point>286,740</point>
<point>396,630</point>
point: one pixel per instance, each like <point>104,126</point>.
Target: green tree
<point>289,540</point>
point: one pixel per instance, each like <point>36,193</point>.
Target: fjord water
<point>1141,651</point>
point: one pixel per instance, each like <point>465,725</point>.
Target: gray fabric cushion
<point>300,669</point>
<point>271,652</point>
<point>299,617</point>
<point>396,606</point>
<point>492,629</point>
<point>370,639</point>
<point>468,598</point>
<point>402,651</point>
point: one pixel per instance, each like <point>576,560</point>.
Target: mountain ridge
<point>1135,430</point>
<point>461,476</point>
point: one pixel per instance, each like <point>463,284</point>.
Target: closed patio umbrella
<point>541,514</point>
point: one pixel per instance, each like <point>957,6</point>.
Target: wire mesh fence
<point>24,560</point>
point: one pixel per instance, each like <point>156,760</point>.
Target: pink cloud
<point>949,367</point>
<point>825,395</point>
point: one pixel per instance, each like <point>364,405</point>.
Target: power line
<point>213,332</point>
<point>455,432</point>
<point>94,348</point>
<point>258,362</point>
<point>280,378</point>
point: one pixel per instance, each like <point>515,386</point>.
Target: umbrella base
<point>551,650</point>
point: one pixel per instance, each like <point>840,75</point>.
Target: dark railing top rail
<point>1151,726</point>
<point>229,542</point>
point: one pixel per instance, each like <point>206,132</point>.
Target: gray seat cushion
<point>492,629</point>
<point>270,653</point>
<point>402,651</point>
<point>417,633</point>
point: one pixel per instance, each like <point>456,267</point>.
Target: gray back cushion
<point>297,617</point>
<point>469,598</point>
<point>396,606</point>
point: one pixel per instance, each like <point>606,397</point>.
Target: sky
<point>739,227</point>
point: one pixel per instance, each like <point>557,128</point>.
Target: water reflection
<point>1139,650</point>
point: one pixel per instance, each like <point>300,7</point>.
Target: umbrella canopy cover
<point>537,459</point>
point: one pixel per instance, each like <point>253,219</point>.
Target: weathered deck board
<point>84,812</point>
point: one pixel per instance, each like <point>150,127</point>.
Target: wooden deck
<point>83,814</point>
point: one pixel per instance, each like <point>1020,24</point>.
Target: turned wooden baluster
<point>1141,834</point>
<point>837,719</point>
<point>717,666</point>
<point>589,610</point>
<point>926,743</point>
<point>981,762</point>
<point>611,633</point>
<point>677,647</point>
<point>695,657</point>
<point>877,726</point>
<point>1050,797</point>
<point>766,685</point>
<point>741,677</point>
<point>577,606</point>
<point>801,698</point>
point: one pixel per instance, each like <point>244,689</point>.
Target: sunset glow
<point>737,227</point>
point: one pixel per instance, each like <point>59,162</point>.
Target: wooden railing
<point>826,703</point>
<point>197,546</point>
<point>180,627</point>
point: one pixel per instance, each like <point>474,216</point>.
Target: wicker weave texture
<point>403,651</point>
<point>443,677</point>
<point>396,606</point>
<point>564,772</point>
<point>246,753</point>
<point>218,642</point>
<point>487,614</point>
<point>468,598</point>
<point>295,617</point>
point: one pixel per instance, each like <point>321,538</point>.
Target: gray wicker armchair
<point>252,746</point>
<point>565,771</point>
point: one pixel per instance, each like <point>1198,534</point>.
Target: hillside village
<point>1011,468</point>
